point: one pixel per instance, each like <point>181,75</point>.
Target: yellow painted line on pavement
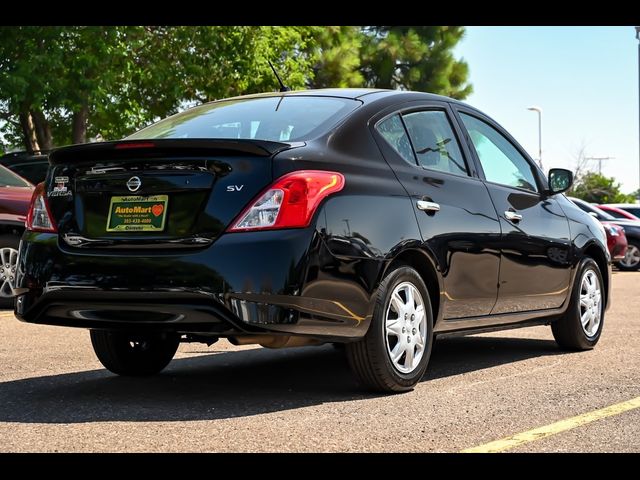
<point>513,441</point>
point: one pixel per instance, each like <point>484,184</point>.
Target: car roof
<point>363,94</point>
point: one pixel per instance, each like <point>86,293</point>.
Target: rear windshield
<point>10,179</point>
<point>288,118</point>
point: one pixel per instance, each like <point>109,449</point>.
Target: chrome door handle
<point>513,216</point>
<point>428,206</point>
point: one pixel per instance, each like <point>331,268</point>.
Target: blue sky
<point>585,79</point>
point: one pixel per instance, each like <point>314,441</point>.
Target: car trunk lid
<point>155,194</point>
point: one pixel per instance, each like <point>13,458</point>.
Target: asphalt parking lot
<point>54,395</point>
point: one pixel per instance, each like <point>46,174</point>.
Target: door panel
<point>535,265</point>
<point>535,244</point>
<point>463,234</point>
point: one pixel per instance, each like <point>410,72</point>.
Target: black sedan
<point>374,218</point>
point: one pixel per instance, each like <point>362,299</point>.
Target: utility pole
<point>599,160</point>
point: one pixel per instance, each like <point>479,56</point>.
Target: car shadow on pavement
<point>233,384</point>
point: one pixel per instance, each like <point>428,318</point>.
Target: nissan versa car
<point>374,218</point>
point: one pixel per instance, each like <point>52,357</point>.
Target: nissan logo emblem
<point>134,184</point>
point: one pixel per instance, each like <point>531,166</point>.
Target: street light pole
<point>539,110</point>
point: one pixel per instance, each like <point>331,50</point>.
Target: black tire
<point>632,266</point>
<point>134,355</point>
<point>7,274</point>
<point>568,330</point>
<point>370,357</point>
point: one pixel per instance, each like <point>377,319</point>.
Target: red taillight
<point>39,217</point>
<point>289,202</point>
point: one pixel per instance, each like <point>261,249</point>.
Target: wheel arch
<point>426,267</point>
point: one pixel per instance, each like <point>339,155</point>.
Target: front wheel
<point>393,355</point>
<point>134,355</point>
<point>581,325</point>
<point>631,260</point>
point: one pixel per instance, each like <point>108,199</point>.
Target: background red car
<point>616,240</point>
<point>15,197</point>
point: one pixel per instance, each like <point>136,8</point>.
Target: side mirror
<point>560,180</point>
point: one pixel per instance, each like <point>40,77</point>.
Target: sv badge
<point>234,188</point>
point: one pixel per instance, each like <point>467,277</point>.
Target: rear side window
<point>434,142</point>
<point>280,118</point>
<point>394,133</point>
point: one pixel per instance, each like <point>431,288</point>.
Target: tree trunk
<point>29,132</point>
<point>79,125</point>
<point>43,130</point>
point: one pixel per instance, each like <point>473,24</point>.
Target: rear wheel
<point>631,260</point>
<point>581,325</point>
<point>393,355</point>
<point>9,258</point>
<point>134,355</point>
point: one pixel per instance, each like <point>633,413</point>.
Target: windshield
<point>10,179</point>
<point>281,118</point>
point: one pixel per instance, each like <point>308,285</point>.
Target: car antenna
<point>283,87</point>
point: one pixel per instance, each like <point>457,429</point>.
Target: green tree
<point>60,85</point>
<point>415,58</point>
<point>338,50</point>
<point>406,58</point>
<point>595,188</point>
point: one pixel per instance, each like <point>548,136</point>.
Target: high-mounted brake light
<point>123,146</point>
<point>39,217</point>
<point>289,202</point>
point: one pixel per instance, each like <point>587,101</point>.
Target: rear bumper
<point>244,283</point>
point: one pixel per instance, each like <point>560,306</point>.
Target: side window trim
<point>420,105</point>
<point>478,116</point>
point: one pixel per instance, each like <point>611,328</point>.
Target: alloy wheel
<point>632,257</point>
<point>9,258</point>
<point>405,327</point>
<point>590,303</point>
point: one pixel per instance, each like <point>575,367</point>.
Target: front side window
<point>394,133</point>
<point>501,161</point>
<point>434,141</point>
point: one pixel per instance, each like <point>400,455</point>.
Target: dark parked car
<point>32,167</point>
<point>15,197</point>
<point>631,260</point>
<point>373,218</point>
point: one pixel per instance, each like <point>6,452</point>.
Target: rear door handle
<point>513,216</point>
<point>428,206</point>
